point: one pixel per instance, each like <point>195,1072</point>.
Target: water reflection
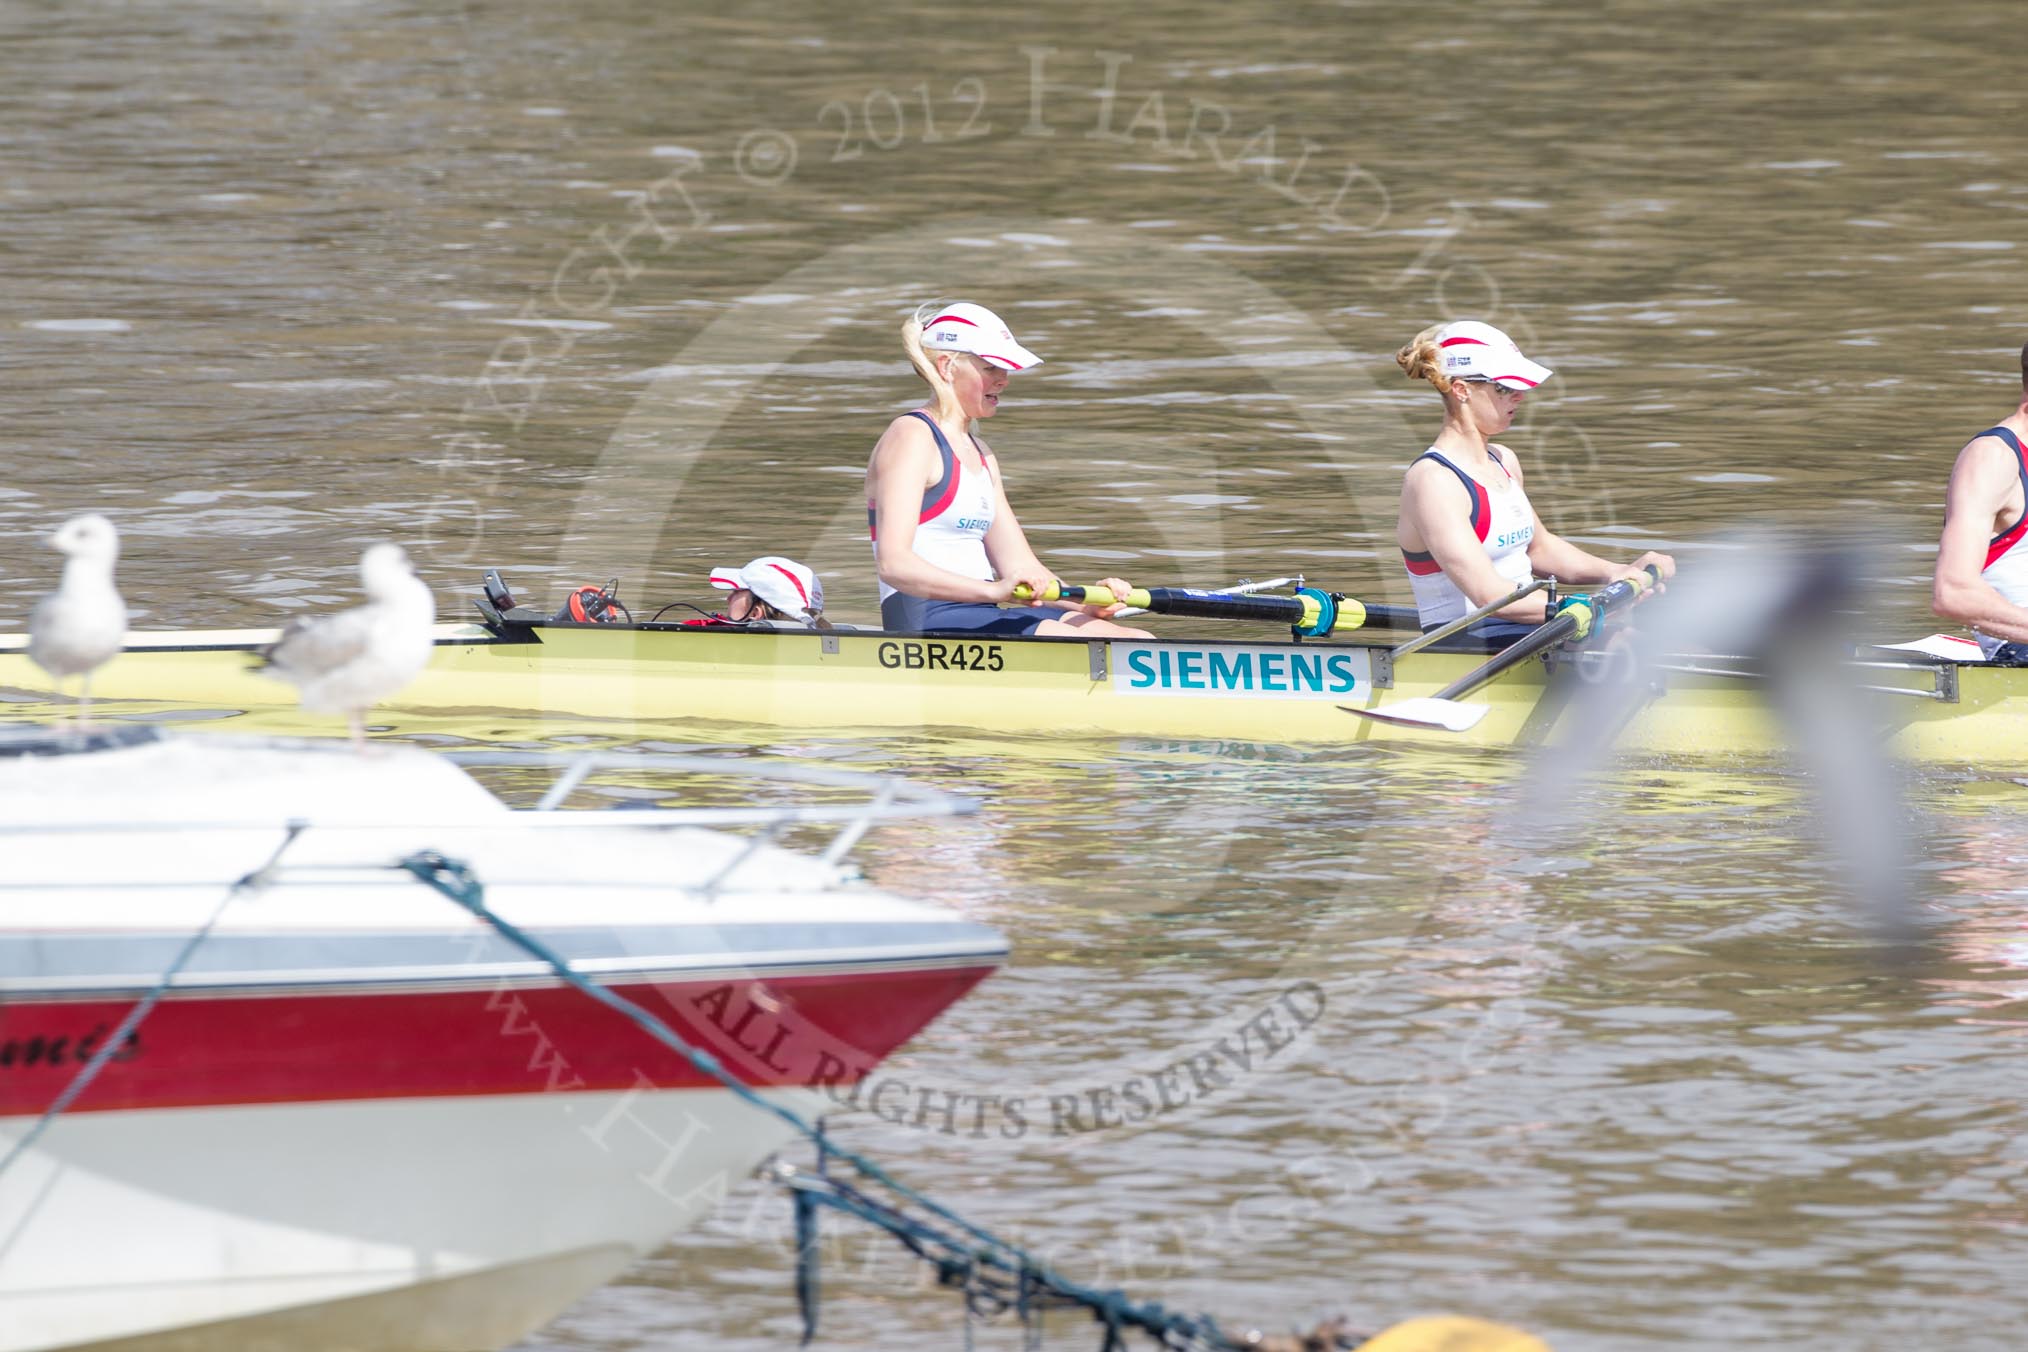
<point>1982,907</point>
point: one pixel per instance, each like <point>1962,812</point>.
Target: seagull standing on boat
<point>348,662</point>
<point>79,627</point>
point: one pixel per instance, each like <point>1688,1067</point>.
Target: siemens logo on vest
<point>1164,670</point>
<point>1515,537</point>
<point>977,523</point>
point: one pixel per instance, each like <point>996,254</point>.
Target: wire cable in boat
<point>997,1274</point>
<point>993,1275</point>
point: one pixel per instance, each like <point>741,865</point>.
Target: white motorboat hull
<point>404,1223</point>
<point>360,1117</point>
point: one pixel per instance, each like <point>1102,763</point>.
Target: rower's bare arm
<point>1013,558</point>
<point>904,465</point>
<point>1007,547</point>
<point>1982,491</point>
<point>1550,555</point>
<point>1436,516</point>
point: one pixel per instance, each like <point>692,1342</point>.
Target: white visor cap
<point>783,583</point>
<point>965,327</point>
<point>1473,351</point>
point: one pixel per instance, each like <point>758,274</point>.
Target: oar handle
<point>1575,618</point>
<point>1589,610</point>
<point>1089,596</point>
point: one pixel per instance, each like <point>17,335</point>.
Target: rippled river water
<point>586,291</point>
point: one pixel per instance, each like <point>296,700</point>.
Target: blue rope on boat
<point>994,1274</point>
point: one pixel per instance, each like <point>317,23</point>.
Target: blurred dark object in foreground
<point>1789,617</point>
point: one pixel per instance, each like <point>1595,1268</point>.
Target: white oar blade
<point>1448,714</point>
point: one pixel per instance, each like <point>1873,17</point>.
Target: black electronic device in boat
<point>496,590</point>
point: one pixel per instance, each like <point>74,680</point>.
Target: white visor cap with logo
<point>965,327</point>
<point>783,583</point>
<point>1473,351</point>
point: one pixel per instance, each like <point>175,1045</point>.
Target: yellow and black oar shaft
<point>1309,612</point>
<point>1575,620</point>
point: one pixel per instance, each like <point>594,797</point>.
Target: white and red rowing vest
<point>2006,569</point>
<point>1505,525</point>
<point>957,511</point>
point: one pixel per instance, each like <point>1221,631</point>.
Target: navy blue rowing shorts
<point>914,615</point>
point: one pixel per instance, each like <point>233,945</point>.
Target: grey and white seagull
<point>78,627</point>
<point>348,662</point>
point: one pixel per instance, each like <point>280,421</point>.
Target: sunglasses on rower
<point>744,605</point>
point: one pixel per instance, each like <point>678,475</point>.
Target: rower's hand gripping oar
<point>1577,618</point>
<point>1311,613</point>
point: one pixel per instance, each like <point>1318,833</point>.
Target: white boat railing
<point>883,798</point>
<point>887,798</point>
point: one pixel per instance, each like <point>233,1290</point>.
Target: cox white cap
<point>783,583</point>
<point>964,327</point>
<point>1470,350</point>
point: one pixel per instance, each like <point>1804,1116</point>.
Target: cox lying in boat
<point>771,591</point>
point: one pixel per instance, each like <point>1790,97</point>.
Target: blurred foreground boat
<point>360,1118</point>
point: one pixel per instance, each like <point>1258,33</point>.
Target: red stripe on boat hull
<point>197,1049</point>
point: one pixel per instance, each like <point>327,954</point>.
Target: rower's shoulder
<point>1991,442</point>
<point>1426,474</point>
<point>907,435</point>
<point>906,425</point>
<point>1430,485</point>
<point>1987,464</point>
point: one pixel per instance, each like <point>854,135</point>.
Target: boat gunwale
<point>510,631</point>
<point>517,631</point>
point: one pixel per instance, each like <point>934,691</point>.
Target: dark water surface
<point>612,290</point>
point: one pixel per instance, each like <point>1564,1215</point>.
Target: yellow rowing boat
<point>1928,708</point>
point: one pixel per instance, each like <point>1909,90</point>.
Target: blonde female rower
<point>947,548</point>
<point>1467,531</point>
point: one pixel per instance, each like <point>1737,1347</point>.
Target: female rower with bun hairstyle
<point>947,548</point>
<point>1467,531</point>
